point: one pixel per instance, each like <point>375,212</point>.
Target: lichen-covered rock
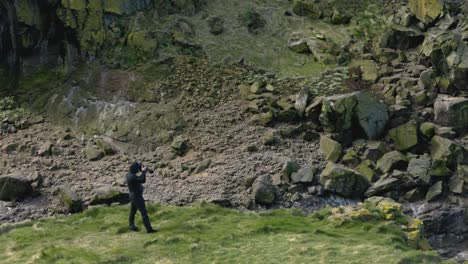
<point>368,68</point>
<point>383,185</point>
<point>456,185</point>
<point>427,129</point>
<point>342,113</point>
<point>13,188</point>
<point>180,145</point>
<point>374,150</point>
<point>434,191</point>
<point>301,101</point>
<point>343,181</point>
<point>289,167</point>
<point>404,136</point>
<point>391,161</point>
<point>448,151</point>
<point>331,149</point>
<point>420,168</point>
<point>366,168</point>
<point>71,201</point>
<point>452,111</point>
<point>263,191</point>
<point>351,158</point>
<point>426,10</point>
<point>109,196</point>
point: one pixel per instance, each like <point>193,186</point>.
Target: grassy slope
<point>205,234</point>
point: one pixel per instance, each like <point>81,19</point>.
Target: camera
<point>147,169</point>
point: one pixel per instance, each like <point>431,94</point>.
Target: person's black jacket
<point>135,182</point>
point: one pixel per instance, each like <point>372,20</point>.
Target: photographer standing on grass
<point>135,189</point>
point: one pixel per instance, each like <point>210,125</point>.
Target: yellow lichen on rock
<point>426,10</point>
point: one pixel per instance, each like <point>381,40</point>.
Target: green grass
<point>205,234</point>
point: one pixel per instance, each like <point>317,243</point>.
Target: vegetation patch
<point>207,233</point>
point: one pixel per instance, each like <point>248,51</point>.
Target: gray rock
<point>448,152</point>
<point>180,145</point>
<point>391,161</point>
<point>340,113</point>
<point>383,185</point>
<point>298,43</point>
<point>374,150</point>
<point>263,191</point>
<point>456,185</point>
<point>301,101</point>
<point>404,136</point>
<point>452,111</point>
<point>109,196</point>
<point>304,175</point>
<point>71,201</point>
<point>434,192</point>
<point>14,188</point>
<point>331,149</point>
<point>343,181</point>
<point>93,153</point>
<point>45,149</point>
<point>420,167</point>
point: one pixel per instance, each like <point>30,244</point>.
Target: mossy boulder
<point>369,69</point>
<point>180,145</point>
<point>426,10</point>
<point>383,185</point>
<point>263,191</point>
<point>339,17</point>
<point>14,188</point>
<point>70,201</point>
<point>306,8</point>
<point>391,161</point>
<point>109,196</point>
<point>93,153</point>
<point>331,149</point>
<point>420,168</point>
<point>448,151</point>
<point>405,136</point>
<point>352,112</point>
<point>343,181</point>
<point>427,129</point>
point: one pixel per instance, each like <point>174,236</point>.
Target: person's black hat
<point>135,167</point>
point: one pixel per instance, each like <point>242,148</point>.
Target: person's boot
<point>151,231</point>
<point>134,228</point>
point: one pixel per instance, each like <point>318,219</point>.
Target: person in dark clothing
<point>135,188</point>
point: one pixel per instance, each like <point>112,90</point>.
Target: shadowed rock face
<point>13,188</point>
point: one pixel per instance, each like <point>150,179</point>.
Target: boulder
<point>304,175</point>
<point>180,145</point>
<point>289,167</point>
<point>369,69</point>
<point>351,158</point>
<point>343,181</point>
<point>434,191</point>
<point>456,185</point>
<point>106,147</point>
<point>427,129</point>
<point>109,196</point>
<point>391,161</point>
<point>366,169</point>
<point>269,138</point>
<point>448,151</point>
<point>306,8</point>
<point>353,111</point>
<point>331,149</point>
<point>426,10</point>
<point>451,111</point>
<point>383,185</point>
<point>374,150</point>
<point>419,168</point>
<point>298,43</point>
<point>70,201</point>
<point>263,191</point>
<point>14,188</point>
<point>93,153</point>
<point>404,136</point>
<point>413,195</point>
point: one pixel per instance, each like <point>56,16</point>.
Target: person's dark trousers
<point>138,203</point>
